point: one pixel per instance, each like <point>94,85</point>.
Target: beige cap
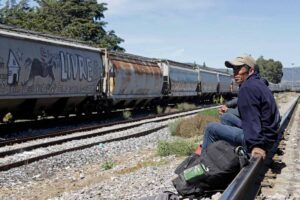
<point>241,60</point>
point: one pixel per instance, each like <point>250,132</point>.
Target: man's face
<point>240,74</point>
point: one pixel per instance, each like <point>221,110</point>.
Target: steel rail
<point>90,135</point>
<point>246,184</point>
<point>91,127</point>
<point>6,167</point>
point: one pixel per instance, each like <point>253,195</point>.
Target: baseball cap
<point>241,60</point>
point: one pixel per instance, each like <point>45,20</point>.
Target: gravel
<point>78,174</point>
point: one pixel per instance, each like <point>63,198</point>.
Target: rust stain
<point>146,68</point>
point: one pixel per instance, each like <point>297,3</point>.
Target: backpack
<point>212,171</point>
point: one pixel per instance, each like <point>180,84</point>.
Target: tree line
<point>77,19</point>
<point>270,69</point>
<point>83,20</point>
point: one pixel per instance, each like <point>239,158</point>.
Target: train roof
<point>180,64</point>
<point>127,57</point>
<point>195,66</point>
<point>14,32</point>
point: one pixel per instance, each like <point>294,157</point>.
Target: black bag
<point>212,171</point>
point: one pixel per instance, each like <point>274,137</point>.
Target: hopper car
<point>42,75</point>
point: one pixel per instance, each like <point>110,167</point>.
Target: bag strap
<point>243,156</point>
<point>170,195</point>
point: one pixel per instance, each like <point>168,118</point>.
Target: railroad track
<point>282,179</point>
<point>248,182</point>
<point>90,127</point>
<point>6,130</point>
<point>96,133</point>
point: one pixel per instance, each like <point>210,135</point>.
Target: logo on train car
<point>13,66</point>
<point>74,66</point>
<point>39,68</point>
<point>1,63</point>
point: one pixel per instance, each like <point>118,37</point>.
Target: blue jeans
<point>231,120</point>
<point>218,131</point>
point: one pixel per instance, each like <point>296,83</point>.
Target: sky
<point>209,31</point>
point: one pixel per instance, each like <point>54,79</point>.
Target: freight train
<point>41,75</point>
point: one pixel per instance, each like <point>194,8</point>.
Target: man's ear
<point>251,70</point>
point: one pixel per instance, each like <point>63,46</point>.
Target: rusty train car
<point>43,75</point>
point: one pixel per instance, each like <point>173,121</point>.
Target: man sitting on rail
<point>257,108</point>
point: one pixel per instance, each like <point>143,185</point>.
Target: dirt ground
<point>75,179</point>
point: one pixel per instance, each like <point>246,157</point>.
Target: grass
<point>185,106</point>
<point>140,165</point>
<point>190,130</point>
<point>178,107</point>
<point>8,118</point>
<point>193,126</point>
<point>159,110</point>
<point>179,147</point>
<point>210,112</point>
<point>107,165</point>
<point>173,126</point>
<point>127,114</point>
<point>218,99</point>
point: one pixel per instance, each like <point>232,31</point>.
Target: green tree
<point>14,13</point>
<point>77,19</point>
<point>270,69</point>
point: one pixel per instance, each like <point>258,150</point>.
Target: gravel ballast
<point>137,172</point>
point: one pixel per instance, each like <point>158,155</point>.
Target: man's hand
<point>256,152</point>
<point>223,109</point>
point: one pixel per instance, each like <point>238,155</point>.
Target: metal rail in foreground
<point>246,184</point>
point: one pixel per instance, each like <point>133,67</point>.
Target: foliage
<point>159,110</point>
<point>173,126</point>
<point>270,69</point>
<point>185,106</point>
<point>210,112</point>
<point>8,118</point>
<point>107,165</point>
<point>14,13</point>
<point>218,99</point>
<point>193,126</point>
<point>170,109</point>
<point>127,114</point>
<point>76,19</point>
<point>178,147</point>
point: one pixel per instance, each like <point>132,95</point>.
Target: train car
<point>40,75</point>
<point>208,82</point>
<point>274,87</point>
<point>48,75</point>
<point>132,80</point>
<point>180,80</point>
<point>234,87</point>
<point>225,83</point>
